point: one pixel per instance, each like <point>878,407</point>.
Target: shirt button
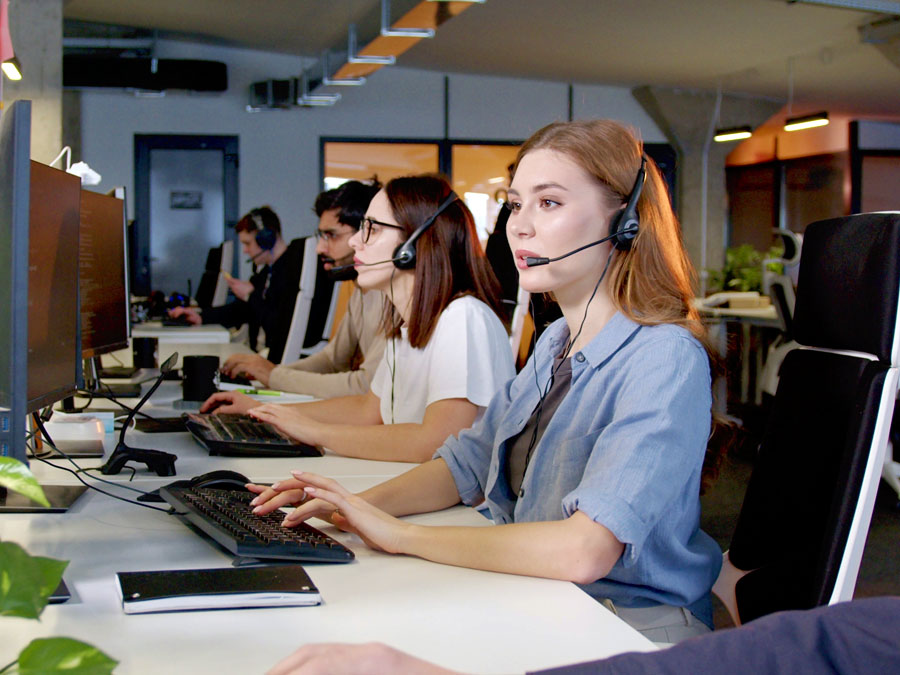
<point>521,492</point>
<point>579,357</point>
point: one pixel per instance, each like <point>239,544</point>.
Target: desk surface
<point>205,333</point>
<point>464,619</point>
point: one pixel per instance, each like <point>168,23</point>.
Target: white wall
<point>279,150</point>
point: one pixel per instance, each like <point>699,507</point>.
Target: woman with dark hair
<point>589,461</point>
<point>447,351</point>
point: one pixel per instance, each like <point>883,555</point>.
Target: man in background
<point>347,364</point>
<point>267,300</point>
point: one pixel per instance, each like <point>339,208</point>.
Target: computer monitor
<point>39,229</point>
<point>103,278</point>
<point>53,234</point>
<point>15,148</point>
<point>103,285</point>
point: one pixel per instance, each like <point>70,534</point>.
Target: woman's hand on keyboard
<point>271,497</point>
<point>229,402</point>
<point>290,421</point>
<point>350,512</point>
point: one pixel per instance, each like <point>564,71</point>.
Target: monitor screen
<point>102,275</point>
<point>53,232</point>
<point>15,148</point>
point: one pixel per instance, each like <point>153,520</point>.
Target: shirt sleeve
<point>476,359</point>
<point>468,454</point>
<point>651,454</point>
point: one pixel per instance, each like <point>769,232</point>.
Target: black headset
<point>623,227</point>
<point>405,254</point>
<point>266,237</point>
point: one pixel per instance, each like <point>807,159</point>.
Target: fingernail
<point>275,485</point>
<point>296,473</point>
<point>254,501</point>
<point>309,489</point>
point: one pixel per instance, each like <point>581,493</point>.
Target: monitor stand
<point>118,390</point>
<point>61,497</point>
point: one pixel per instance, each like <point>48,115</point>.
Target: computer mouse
<point>220,479</point>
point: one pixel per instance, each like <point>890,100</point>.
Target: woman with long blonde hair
<point>589,461</point>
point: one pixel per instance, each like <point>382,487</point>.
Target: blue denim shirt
<point>625,447</point>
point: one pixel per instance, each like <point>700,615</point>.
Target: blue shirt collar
<point>617,331</point>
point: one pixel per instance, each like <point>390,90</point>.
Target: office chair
<point>804,520</point>
<point>315,303</point>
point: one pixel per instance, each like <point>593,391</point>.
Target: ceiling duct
<point>144,74</point>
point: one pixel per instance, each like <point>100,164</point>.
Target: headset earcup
<point>404,257</point>
<point>623,229</point>
<point>266,238</point>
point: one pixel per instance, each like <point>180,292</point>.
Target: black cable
<point>77,474</point>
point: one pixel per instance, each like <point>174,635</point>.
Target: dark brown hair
<point>257,219</point>
<point>449,259</point>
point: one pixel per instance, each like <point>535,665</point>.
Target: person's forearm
<point>426,488</point>
<point>342,410</point>
<point>571,549</point>
<point>323,385</point>
<point>389,442</point>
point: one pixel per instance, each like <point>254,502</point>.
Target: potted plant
<point>743,269</point>
<point>26,583</point>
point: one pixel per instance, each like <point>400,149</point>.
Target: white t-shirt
<point>468,356</point>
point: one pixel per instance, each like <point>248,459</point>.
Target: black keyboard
<point>226,517</point>
<point>241,435</point>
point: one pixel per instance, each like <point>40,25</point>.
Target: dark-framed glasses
<point>365,228</point>
<point>331,235</point>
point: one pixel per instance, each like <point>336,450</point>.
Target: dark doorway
<point>186,201</point>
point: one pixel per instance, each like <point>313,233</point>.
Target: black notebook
<point>221,588</point>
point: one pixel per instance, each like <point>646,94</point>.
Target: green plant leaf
<point>26,581</point>
<point>15,476</point>
<point>64,655</point>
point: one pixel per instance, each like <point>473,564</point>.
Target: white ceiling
<point>744,45</point>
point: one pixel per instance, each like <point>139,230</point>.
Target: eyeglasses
<point>365,229</point>
<point>330,235</point>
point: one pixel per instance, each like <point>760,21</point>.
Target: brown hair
<point>653,282</point>
<point>257,219</point>
<point>449,259</point>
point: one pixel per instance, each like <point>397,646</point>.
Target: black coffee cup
<point>145,352</point>
<point>199,377</point>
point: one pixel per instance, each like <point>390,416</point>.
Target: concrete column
<point>685,118</point>
<point>36,30</point>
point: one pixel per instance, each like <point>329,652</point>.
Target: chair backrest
<point>309,323</point>
<point>806,513</point>
<point>517,324</point>
<point>339,304</point>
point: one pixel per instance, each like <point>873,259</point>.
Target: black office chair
<point>803,524</point>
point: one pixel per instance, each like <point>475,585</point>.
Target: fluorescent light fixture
<point>387,31</point>
<point>732,134</point>
<point>12,69</point>
<point>474,2</point>
<point>806,122</point>
<point>353,57</point>
<point>881,6</point>
<point>496,179</point>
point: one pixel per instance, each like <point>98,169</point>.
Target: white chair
<point>293,346</point>
<point>517,324</point>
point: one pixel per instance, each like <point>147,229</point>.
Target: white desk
<point>464,619</point>
<point>206,333</point>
